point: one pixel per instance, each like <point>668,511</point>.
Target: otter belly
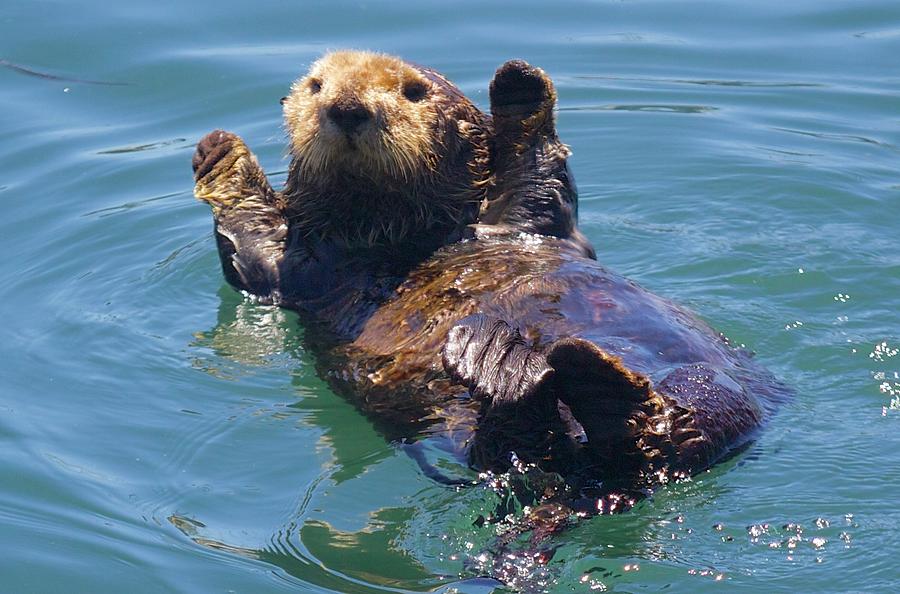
<point>640,385</point>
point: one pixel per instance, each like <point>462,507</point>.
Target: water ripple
<point>663,108</point>
<point>706,82</point>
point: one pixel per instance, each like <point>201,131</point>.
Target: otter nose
<point>348,116</point>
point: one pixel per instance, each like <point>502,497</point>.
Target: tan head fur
<point>389,146</point>
<point>384,122</point>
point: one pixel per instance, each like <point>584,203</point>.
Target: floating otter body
<point>433,255</point>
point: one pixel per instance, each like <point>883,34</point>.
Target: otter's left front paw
<point>522,100</point>
<point>520,89</point>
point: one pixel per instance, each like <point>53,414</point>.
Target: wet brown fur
<point>514,339</point>
<point>417,165</point>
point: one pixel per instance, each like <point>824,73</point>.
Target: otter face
<point>364,113</point>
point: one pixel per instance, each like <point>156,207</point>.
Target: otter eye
<point>415,91</point>
<point>315,85</point>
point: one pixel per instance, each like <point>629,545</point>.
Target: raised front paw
<point>522,101</point>
<point>226,172</point>
<point>211,150</point>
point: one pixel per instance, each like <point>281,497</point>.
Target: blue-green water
<point>162,434</point>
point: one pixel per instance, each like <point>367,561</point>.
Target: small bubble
<point>818,542</point>
<point>822,523</point>
<point>718,527</point>
<point>800,270</point>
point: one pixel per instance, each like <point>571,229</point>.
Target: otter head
<point>366,112</point>
<point>381,149</point>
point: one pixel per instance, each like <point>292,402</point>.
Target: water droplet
<point>757,530</point>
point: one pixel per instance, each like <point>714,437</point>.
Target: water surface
<point>160,433</point>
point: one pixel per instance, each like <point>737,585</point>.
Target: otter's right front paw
<point>211,149</point>
<point>225,171</point>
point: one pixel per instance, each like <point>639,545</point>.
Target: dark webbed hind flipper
<point>617,408</point>
<point>693,418</point>
<point>251,229</point>
<point>713,417</point>
<point>512,381</point>
<point>531,188</point>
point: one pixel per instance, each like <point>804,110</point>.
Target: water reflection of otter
<point>433,255</point>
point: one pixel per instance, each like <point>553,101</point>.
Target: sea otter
<point>433,255</point>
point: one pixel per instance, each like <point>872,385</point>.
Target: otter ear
<point>283,100</point>
<point>522,102</point>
